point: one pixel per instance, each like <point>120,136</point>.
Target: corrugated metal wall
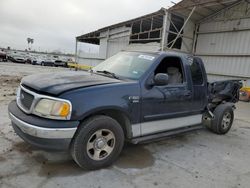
<point>118,40</point>
<point>187,41</point>
<point>89,61</point>
<point>111,42</point>
<point>117,45</point>
<point>224,43</point>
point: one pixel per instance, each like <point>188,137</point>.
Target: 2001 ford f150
<point>132,96</point>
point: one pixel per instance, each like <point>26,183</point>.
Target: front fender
<point>101,109</point>
<point>88,101</point>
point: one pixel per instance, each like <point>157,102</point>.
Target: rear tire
<point>97,143</point>
<point>223,119</point>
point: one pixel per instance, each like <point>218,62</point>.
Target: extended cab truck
<point>132,96</point>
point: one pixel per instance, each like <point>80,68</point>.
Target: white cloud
<point>55,23</point>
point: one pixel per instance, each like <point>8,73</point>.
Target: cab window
<point>172,66</point>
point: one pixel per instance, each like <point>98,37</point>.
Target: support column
<point>195,38</point>
<point>76,50</point>
<point>164,31</point>
<point>107,48</point>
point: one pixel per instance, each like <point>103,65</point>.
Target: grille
<point>26,99</point>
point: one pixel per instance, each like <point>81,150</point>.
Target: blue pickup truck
<point>131,97</point>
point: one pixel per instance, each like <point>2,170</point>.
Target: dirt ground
<point>196,159</point>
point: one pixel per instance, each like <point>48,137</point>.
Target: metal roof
<point>204,8</point>
<point>93,37</point>
<point>203,11</point>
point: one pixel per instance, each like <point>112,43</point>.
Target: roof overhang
<point>91,38</point>
<point>204,8</point>
<point>94,37</point>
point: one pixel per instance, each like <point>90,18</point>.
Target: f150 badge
<point>134,99</point>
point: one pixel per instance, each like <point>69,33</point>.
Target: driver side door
<point>162,107</point>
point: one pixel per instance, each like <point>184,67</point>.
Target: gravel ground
<point>197,159</point>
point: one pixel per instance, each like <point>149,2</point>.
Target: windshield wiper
<point>108,73</point>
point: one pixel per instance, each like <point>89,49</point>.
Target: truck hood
<point>57,83</point>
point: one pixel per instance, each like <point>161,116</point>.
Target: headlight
<point>53,109</point>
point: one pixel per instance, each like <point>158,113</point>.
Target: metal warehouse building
<point>216,30</point>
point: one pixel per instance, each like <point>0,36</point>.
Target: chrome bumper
<point>40,132</point>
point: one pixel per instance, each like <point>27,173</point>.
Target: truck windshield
<point>131,65</point>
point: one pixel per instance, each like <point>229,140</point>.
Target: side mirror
<point>161,79</point>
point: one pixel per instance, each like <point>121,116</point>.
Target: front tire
<point>223,119</point>
<point>97,143</point>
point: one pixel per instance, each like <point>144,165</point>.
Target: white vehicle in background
<point>16,58</point>
<point>39,61</point>
<point>31,58</point>
<point>34,61</point>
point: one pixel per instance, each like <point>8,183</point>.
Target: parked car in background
<point>16,58</point>
<point>3,55</point>
<point>48,62</point>
<point>37,61</point>
<point>60,63</point>
<point>31,59</point>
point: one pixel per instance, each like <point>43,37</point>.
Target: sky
<point>54,24</point>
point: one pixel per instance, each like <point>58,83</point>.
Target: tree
<point>30,42</point>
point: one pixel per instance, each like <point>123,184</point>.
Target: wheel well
<point>120,117</point>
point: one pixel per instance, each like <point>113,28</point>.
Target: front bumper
<point>44,133</point>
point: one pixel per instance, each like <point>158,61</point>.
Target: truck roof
<point>169,52</point>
